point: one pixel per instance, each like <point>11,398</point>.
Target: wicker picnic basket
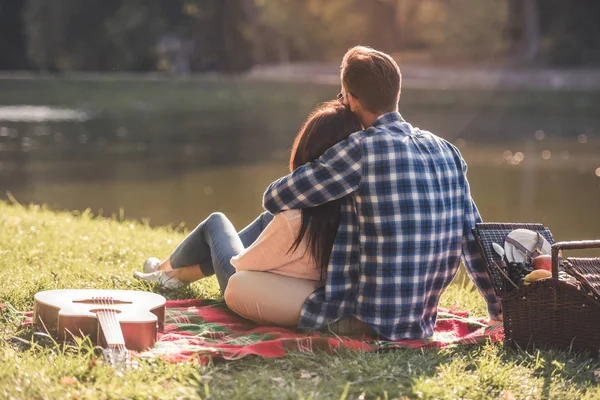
<point>548,313</point>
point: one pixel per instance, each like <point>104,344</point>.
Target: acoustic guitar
<point>117,320</point>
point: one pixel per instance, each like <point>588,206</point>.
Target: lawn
<point>41,249</point>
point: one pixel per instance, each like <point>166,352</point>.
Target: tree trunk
<point>406,11</point>
<point>383,29</point>
<point>531,30</point>
<point>236,51</point>
<point>258,40</point>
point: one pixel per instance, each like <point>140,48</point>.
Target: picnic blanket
<point>206,329</point>
<point>202,330</point>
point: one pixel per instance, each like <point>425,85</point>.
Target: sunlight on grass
<point>41,250</point>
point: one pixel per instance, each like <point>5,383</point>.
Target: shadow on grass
<point>490,370</point>
<point>321,374</point>
<point>578,368</point>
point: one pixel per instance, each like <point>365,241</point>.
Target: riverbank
<point>42,250</point>
<point>420,76</point>
<point>415,76</point>
<point>121,93</point>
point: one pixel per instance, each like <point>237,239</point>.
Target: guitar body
<point>105,316</point>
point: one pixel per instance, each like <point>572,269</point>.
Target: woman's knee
<point>216,217</point>
<point>214,224</point>
<point>211,221</point>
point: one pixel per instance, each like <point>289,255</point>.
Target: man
<point>409,216</point>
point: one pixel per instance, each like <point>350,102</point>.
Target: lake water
<point>174,154</point>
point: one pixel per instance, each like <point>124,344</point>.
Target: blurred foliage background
<point>231,36</point>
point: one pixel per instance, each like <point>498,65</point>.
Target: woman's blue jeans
<point>212,244</point>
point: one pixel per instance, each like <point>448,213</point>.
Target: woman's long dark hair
<point>327,125</point>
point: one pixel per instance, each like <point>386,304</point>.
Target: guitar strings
<point>111,327</point>
<point>102,315</point>
<point>107,326</point>
<point>113,321</point>
<point>116,325</point>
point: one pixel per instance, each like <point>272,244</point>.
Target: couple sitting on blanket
<point>364,234</point>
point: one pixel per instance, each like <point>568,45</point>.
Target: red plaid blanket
<point>205,329</point>
<point>202,330</point>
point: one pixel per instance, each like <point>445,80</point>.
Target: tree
<point>570,31</point>
<point>69,34</point>
<point>473,30</point>
<point>90,35</point>
<point>383,13</point>
<point>406,15</point>
<point>531,30</point>
<point>555,32</point>
<point>234,42</point>
<point>231,35</point>
<point>219,31</point>
<point>311,29</point>
<point>13,42</point>
<point>525,30</point>
<point>45,38</point>
<point>132,32</point>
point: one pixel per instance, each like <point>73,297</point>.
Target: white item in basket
<point>528,239</point>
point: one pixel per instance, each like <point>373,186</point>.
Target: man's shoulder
<point>432,137</point>
<point>358,136</point>
<point>400,128</point>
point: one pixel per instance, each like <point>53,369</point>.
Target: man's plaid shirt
<point>406,222</point>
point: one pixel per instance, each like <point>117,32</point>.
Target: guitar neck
<point>111,328</point>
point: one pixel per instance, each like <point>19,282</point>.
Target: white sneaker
<point>159,277</point>
<point>151,264</point>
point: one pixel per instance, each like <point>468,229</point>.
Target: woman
<point>267,270</point>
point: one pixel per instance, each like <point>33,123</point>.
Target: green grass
<point>40,250</point>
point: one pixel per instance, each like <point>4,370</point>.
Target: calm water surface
<point>177,167</point>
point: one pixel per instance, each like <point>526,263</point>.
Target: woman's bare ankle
<point>186,274</point>
<point>165,266</point>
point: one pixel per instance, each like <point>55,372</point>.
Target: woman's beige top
<point>270,252</point>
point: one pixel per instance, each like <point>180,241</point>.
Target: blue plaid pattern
<point>406,224</point>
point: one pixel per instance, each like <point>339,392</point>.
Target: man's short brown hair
<point>372,77</point>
